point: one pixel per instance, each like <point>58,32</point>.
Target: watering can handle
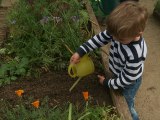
<point>71,71</point>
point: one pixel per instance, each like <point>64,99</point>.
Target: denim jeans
<point>129,94</point>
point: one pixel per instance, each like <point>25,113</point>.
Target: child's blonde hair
<point>127,20</point>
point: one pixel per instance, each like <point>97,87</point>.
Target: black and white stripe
<point>125,61</point>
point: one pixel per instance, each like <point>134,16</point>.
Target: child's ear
<point>139,34</point>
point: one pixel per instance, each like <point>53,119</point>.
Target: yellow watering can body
<point>83,68</point>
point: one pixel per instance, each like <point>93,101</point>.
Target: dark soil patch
<point>56,85</point>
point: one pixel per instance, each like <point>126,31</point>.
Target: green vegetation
<point>157,6</point>
<point>39,32</point>
<point>96,8</point>
<point>25,111</point>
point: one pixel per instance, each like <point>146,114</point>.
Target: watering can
<point>83,68</point>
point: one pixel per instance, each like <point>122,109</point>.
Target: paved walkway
<point>148,98</point>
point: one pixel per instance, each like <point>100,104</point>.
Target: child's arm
<point>97,41</point>
<point>133,69</point>
<point>128,76</point>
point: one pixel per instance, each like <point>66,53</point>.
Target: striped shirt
<point>126,61</point>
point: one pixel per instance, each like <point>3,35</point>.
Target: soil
<point>55,86</point>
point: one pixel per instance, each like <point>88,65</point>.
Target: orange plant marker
<point>19,92</point>
<point>85,95</point>
<point>35,103</point>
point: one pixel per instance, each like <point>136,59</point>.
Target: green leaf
<point>13,78</point>
<point>83,116</point>
<point>2,50</point>
<point>70,112</point>
<point>3,69</point>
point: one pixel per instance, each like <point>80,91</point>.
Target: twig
<point>94,22</point>
<point>68,49</point>
<point>104,52</point>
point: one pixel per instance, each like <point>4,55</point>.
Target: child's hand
<point>75,58</point>
<point>101,79</point>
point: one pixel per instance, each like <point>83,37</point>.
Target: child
<point>128,50</point>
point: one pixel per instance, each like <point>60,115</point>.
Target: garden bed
<point>55,86</point>
<point>52,83</point>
